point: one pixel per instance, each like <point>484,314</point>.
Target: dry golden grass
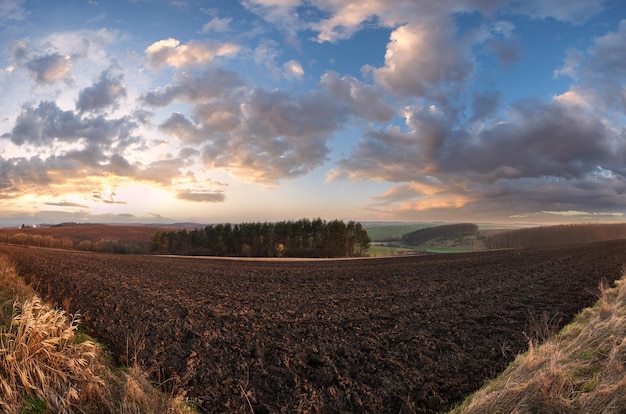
<point>579,370</point>
<point>46,367</point>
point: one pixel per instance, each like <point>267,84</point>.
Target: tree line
<point>102,245</point>
<point>556,235</point>
<point>301,238</point>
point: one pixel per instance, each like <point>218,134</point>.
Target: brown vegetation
<point>410,334</point>
<point>580,370</point>
<point>92,237</point>
<point>47,365</point>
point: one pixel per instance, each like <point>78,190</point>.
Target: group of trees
<point>101,245</point>
<point>36,240</point>
<point>556,235</point>
<point>301,238</point>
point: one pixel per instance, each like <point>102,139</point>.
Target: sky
<point>211,111</point>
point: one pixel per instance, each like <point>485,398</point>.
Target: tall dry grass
<point>579,370</point>
<point>40,358</point>
<point>45,364</point>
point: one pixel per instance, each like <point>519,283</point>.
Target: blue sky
<point>379,110</point>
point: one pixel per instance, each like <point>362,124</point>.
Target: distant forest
<point>415,238</point>
<point>556,235</point>
<point>301,238</point>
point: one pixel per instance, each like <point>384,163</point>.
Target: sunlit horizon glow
<point>268,110</point>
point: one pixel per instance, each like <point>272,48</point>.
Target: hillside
<point>579,370</point>
<point>118,238</point>
<point>423,236</point>
<point>556,235</point>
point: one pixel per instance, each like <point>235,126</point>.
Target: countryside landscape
<point>414,332</point>
<point>313,207</point>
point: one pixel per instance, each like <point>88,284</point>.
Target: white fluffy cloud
<point>170,52</point>
<point>424,60</point>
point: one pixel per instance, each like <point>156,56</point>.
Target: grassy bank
<point>48,365</point>
<point>579,370</point>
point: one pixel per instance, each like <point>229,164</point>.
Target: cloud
<point>368,102</point>
<point>537,154</point>
<point>201,197</point>
<point>104,93</point>
<point>270,136</point>
<point>346,17</point>
<point>65,204</point>
<point>258,135</point>
<point>47,123</point>
<point>12,10</point>
<point>485,104</point>
<point>573,59</point>
<point>217,25</point>
<point>573,11</point>
<point>50,68</point>
<point>293,70</point>
<point>104,197</point>
<point>169,52</point>
<point>425,60</point>
<point>265,55</point>
<point>507,51</point>
<point>210,85</point>
<point>281,13</point>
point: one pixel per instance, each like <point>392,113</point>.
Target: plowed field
<point>407,334</point>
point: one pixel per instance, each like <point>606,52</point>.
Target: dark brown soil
<point>405,334</point>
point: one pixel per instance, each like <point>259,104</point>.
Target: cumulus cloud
<point>46,123</point>
<point>104,93</point>
<point>278,136</point>
<point>367,101</point>
<point>424,60</point>
<point>170,52</point>
<point>544,153</point>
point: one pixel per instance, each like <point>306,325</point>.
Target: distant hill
<point>423,236</point>
<point>556,235</point>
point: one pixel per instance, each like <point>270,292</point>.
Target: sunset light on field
<point>387,110</point>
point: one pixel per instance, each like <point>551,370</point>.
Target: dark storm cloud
<point>104,93</point>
